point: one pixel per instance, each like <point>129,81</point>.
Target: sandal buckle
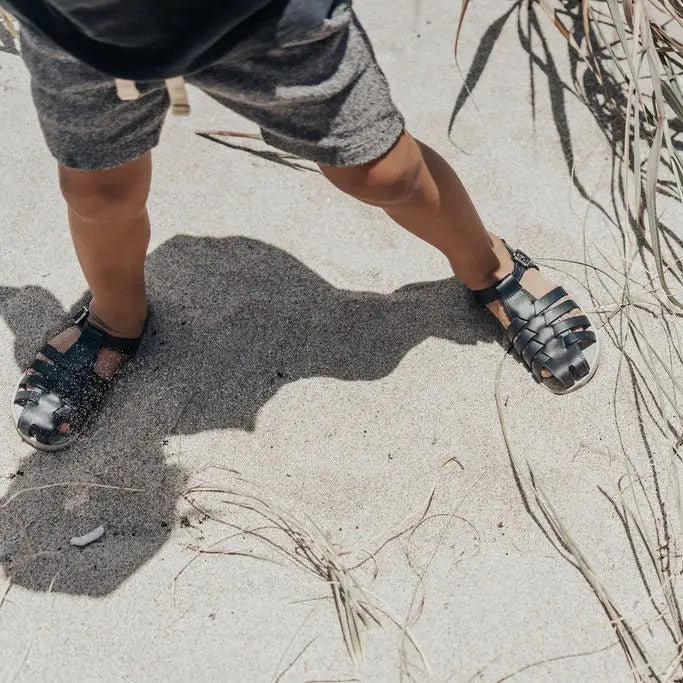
<point>521,258</point>
<point>81,315</point>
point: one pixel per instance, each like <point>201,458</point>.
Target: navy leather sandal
<point>540,334</point>
<point>66,390</point>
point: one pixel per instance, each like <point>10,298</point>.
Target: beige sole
<point>593,363</point>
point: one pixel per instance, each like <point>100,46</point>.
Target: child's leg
<point>323,97</point>
<point>110,231</point>
<point>89,128</point>
<point>421,192</point>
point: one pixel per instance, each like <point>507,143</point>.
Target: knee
<point>395,179</point>
<point>115,195</point>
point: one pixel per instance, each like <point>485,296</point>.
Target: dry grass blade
<point>7,21</point>
<point>294,660</point>
<point>463,10</point>
<point>230,134</point>
<point>635,50</point>
<point>633,649</point>
<point>557,22</point>
<point>649,65</point>
<point>85,484</point>
<point>297,542</point>
<point>5,591</point>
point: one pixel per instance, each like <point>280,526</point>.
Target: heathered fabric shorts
<point>322,97</point>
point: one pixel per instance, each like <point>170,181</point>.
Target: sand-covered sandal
<point>65,390</point>
<point>540,334</point>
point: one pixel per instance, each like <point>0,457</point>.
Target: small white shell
<point>88,538</point>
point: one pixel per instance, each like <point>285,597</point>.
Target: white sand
<point>304,366</point>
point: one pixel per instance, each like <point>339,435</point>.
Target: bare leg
<point>110,232</point>
<point>422,193</point>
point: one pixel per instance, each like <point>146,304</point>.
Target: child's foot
<point>550,332</point>
<point>107,365</point>
<point>66,382</point>
<point>537,285</point>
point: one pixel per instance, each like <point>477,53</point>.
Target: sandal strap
<point>583,338</point>
<point>550,298</point>
<point>537,329</point>
<point>567,364</point>
<point>67,389</point>
<point>509,285</point>
<point>36,419</point>
<point>553,313</point>
<point>32,379</point>
<point>124,345</point>
<point>24,396</point>
<point>58,359</point>
<point>521,260</point>
<point>96,335</point>
<point>572,321</point>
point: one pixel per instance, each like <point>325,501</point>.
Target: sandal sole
<point>595,362</point>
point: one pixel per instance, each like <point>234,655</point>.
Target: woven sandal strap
<point>521,262</point>
<point>558,310</point>
<point>36,419</point>
<point>24,396</point>
<point>539,334</point>
<point>58,358</point>
<point>573,321</point>
<point>584,338</point>
<point>568,367</point>
<point>33,379</point>
<point>549,298</point>
<point>123,345</point>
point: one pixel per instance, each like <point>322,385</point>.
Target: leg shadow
<point>234,320</point>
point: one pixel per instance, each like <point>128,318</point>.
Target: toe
<point>546,373</point>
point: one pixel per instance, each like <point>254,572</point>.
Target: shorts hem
<point>370,147</point>
<point>121,156</point>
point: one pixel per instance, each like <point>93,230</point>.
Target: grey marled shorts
<point>322,97</point>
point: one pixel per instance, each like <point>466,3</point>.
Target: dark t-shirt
<point>151,39</point>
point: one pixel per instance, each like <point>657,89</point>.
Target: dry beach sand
<point>311,359</point>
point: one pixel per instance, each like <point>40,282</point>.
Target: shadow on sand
<point>234,319</point>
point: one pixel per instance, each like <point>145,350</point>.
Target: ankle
<point>505,267</point>
<point>491,276</point>
<point>483,267</point>
<point>119,321</point>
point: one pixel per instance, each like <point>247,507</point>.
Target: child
<point>103,75</point>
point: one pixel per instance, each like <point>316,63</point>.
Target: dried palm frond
<point>634,48</point>
<point>648,499</point>
<point>289,540</point>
